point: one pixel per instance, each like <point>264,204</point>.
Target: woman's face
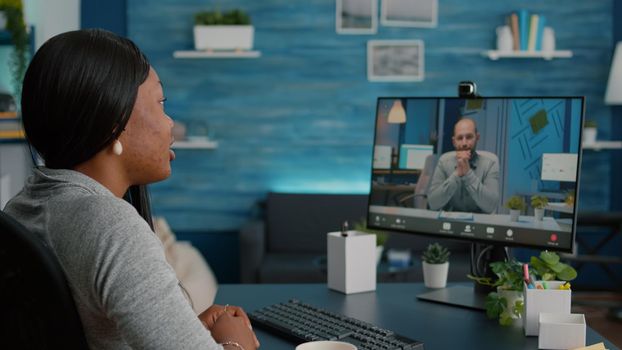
<point>147,137</point>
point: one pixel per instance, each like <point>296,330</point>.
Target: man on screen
<point>464,179</point>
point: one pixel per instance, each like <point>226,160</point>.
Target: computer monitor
<point>450,167</point>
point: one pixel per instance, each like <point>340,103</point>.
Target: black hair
<point>77,97</point>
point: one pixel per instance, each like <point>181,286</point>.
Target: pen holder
<point>351,262</point>
<point>561,331</point>
<point>549,300</point>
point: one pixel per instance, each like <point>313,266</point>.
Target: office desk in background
<point>393,306</point>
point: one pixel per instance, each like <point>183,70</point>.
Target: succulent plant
<point>233,17</point>
<point>435,254</point>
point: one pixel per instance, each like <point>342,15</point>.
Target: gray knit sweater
<point>126,293</point>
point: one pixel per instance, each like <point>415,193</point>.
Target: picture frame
<point>395,60</point>
<point>356,16</point>
<point>409,13</point>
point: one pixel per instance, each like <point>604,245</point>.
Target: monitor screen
<point>501,170</point>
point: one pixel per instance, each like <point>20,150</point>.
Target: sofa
<point>286,243</point>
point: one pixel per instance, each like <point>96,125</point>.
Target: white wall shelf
<point>598,145</point>
<point>495,55</point>
<point>216,54</point>
<point>195,144</point>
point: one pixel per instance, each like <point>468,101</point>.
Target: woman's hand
<point>214,313</point>
<point>234,328</point>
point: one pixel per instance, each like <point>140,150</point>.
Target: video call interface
<point>455,167</point>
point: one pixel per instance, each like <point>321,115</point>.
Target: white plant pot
<point>514,214</point>
<point>435,275</point>
<point>538,213</point>
<point>589,135</point>
<point>224,37</point>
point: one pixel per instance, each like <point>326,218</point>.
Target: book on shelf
<point>515,33</point>
<point>533,32</point>
<point>8,115</point>
<point>527,30</point>
<point>11,128</point>
<point>523,27</point>
<point>12,134</point>
<point>541,24</point>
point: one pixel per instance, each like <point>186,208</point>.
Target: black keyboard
<point>302,322</point>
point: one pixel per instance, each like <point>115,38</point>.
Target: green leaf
<point>567,274</point>
<point>548,276</point>
<point>557,268</point>
<point>517,309</point>
<point>505,319</point>
<point>549,258</point>
<point>494,305</point>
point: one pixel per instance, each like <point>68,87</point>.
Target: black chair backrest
<point>37,310</point>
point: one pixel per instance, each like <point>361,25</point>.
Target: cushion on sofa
<point>190,267</point>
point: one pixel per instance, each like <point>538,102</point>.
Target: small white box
<point>552,300</point>
<point>351,262</point>
<point>561,331</point>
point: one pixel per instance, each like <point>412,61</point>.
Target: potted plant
<point>569,198</point>
<point>13,11</point>
<point>215,30</point>
<point>435,266</point>
<point>506,303</point>
<point>539,203</point>
<point>590,132</point>
<point>381,237</point>
<point>516,204</point>
<point>548,267</point>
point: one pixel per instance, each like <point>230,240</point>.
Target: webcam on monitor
<point>467,89</point>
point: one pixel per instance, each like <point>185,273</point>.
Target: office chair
<point>419,199</point>
<point>37,310</point>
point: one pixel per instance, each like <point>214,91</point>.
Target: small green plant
<point>539,202</point>
<point>381,236</point>
<point>509,275</point>
<point>233,17</point>
<point>590,123</point>
<point>509,278</point>
<point>569,198</point>
<point>16,26</point>
<point>435,254</point>
<point>516,203</point>
<point>549,268</point>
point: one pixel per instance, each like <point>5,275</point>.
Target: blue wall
<point>300,118</point>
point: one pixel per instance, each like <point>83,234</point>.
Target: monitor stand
<point>462,296</point>
<point>472,297</point>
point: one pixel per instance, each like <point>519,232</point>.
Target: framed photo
<point>356,16</point>
<point>395,60</point>
<point>409,13</point>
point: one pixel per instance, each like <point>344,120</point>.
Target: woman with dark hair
<point>93,108</point>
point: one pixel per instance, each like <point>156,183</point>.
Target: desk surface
<point>393,306</point>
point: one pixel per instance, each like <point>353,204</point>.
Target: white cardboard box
<point>351,262</point>
<point>552,300</point>
<point>561,331</point>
